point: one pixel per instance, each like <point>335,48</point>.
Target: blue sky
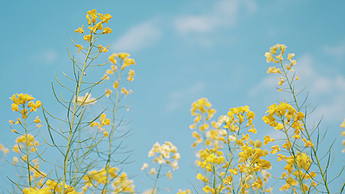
<point>184,50</point>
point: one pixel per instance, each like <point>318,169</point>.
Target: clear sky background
<point>184,50</point>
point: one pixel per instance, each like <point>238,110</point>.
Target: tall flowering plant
<point>228,159</point>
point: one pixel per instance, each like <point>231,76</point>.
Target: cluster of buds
<point>104,122</point>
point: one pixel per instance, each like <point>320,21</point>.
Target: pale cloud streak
<point>223,14</point>
<point>328,91</point>
<point>46,56</point>
<point>178,98</point>
<point>338,51</point>
<point>138,37</point>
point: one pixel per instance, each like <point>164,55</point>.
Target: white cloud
<point>50,56</point>
<point>188,24</point>
<point>223,14</point>
<point>179,97</point>
<point>138,37</point>
<point>46,56</point>
<point>304,67</point>
<point>338,51</point>
<point>269,81</point>
<point>328,91</point>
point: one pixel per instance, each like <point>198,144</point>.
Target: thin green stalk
<point>305,128</point>
<point>205,146</point>
<point>154,186</point>
<point>231,155</point>
<point>27,151</point>
<point>112,129</point>
<point>69,143</point>
<point>300,179</point>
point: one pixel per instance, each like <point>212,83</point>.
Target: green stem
<point>113,128</point>
<point>305,128</point>
<point>69,143</point>
<point>231,155</point>
<point>300,179</point>
<point>27,152</point>
<point>154,186</point>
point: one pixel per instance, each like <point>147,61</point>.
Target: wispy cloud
<point>138,37</point>
<point>46,56</point>
<point>327,90</point>
<point>178,98</point>
<point>223,14</point>
<point>337,51</point>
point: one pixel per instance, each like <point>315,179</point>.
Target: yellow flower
<point>108,92</point>
<point>109,72</point>
<point>275,149</point>
<point>169,174</point>
<point>116,84</point>
<point>15,160</point>
<point>79,47</point>
<point>269,57</point>
<point>112,58</point>
<point>281,81</point>
<point>102,49</point>
<point>37,120</point>
<point>131,75</point>
<point>279,57</point>
<point>107,30</point>
<point>268,139</point>
<point>24,113</point>
<point>145,165</point>
<point>123,90</point>
<point>105,18</point>
<point>14,107</point>
<point>93,14</point>
<point>290,55</point>
<point>113,68</point>
<point>80,30</point>
<point>123,56</point>
<point>152,171</point>
<point>307,143</point>
<point>87,37</point>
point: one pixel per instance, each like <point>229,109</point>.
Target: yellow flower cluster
<point>273,51</point>
<point>92,17</point>
<point>226,130</point>
<point>184,191</point>
<point>278,59</point>
<point>104,121</point>
<point>240,113</point>
<point>294,166</point>
<point>21,99</point>
<point>94,177</point>
<point>123,185</point>
<point>85,100</point>
<point>124,62</point>
<point>204,107</point>
<point>3,149</point>
<point>288,118</point>
<point>342,125</point>
<point>28,141</point>
<point>164,152</point>
<point>209,157</point>
<point>52,187</point>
